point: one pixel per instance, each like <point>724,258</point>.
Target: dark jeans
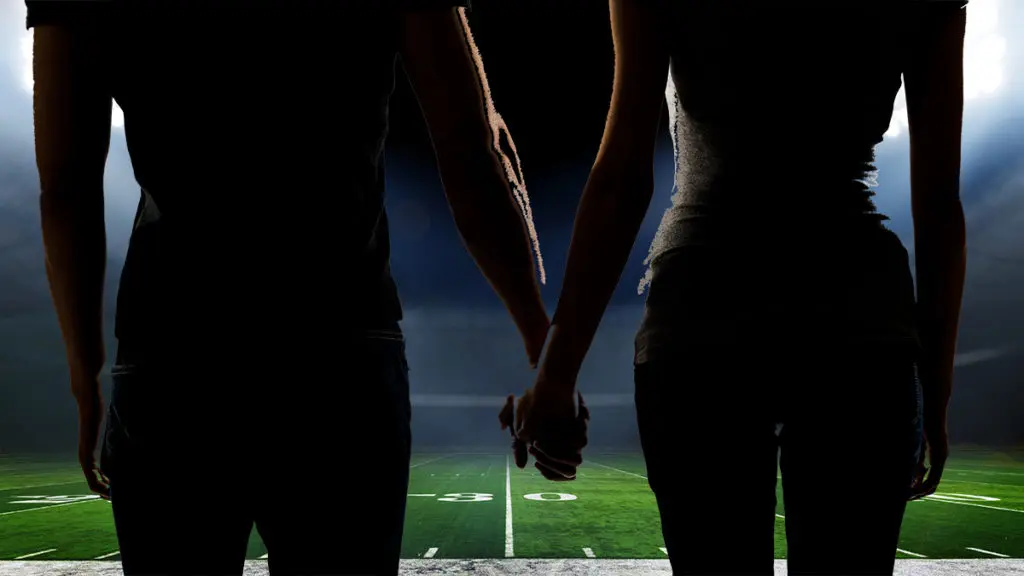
<point>733,348</point>
<point>316,456</point>
<point>847,456</point>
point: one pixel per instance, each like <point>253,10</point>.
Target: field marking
<point>265,556</point>
<point>617,470</point>
<point>509,550</point>
<point>664,550</point>
<point>42,485</point>
<point>781,516</point>
<point>539,497</point>
<point>429,461</point>
<point>951,481</point>
<point>104,556</point>
<point>926,499</point>
<point>430,553</point>
<point>426,495</point>
<point>36,553</point>
<point>908,553</point>
<point>997,554</point>
<point>984,472</point>
<point>53,499</point>
<point>51,506</point>
<point>589,553</point>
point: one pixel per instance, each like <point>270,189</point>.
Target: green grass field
<point>459,508</point>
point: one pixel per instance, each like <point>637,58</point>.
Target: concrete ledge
<point>539,567</point>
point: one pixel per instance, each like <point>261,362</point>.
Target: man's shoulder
<point>430,4</point>
<point>44,12</point>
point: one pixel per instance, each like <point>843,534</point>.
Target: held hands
<point>547,424</point>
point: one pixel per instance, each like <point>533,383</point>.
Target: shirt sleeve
<point>42,12</point>
<point>950,4</point>
<point>433,4</point>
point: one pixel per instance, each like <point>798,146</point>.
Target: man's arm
<point>934,89</point>
<point>72,132</point>
<point>617,194</point>
<point>444,73</point>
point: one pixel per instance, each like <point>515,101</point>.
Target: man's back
<point>257,135</point>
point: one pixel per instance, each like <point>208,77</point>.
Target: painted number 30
<point>480,497</point>
<point>466,497</point>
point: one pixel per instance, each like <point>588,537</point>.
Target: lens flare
<point>984,53</point>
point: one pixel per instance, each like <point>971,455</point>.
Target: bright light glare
<point>984,51</point>
<point>26,62</point>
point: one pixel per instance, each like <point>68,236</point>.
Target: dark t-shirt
<point>256,132</point>
<point>776,109</point>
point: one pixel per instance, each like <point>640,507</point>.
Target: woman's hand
<point>546,423</point>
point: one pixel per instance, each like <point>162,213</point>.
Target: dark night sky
<point>549,65</point>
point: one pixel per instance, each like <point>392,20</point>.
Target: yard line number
<point>484,497</point>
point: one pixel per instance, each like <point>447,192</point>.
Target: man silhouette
<point>260,373</point>
<point>777,295</point>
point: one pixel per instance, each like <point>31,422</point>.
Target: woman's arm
<point>617,194</point>
<point>934,88</point>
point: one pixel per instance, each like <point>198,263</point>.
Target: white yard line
<point>431,460</point>
<point>424,495</point>
<point>589,553</point>
<point>909,553</point>
<point>989,552</point>
<point>430,553</point>
<point>265,556</point>
<point>50,506</point>
<point>617,470</point>
<point>664,550</point>
<point>926,499</point>
<point>108,555</point>
<point>41,552</point>
<point>780,516</point>
<point>984,472</point>
<point>509,550</point>
<point>82,481</point>
<point>951,481</point>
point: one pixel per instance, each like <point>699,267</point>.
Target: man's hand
<point>548,426</point>
<point>937,443</point>
<point>90,415</point>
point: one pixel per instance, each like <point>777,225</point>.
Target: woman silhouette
<point>776,293</point>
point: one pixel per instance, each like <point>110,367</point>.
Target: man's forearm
<point>494,231</point>
<point>941,261</point>
<point>611,211</point>
<point>74,239</point>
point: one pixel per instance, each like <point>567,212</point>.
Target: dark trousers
<point>317,457</point>
<point>847,457</point>
<point>736,341</point>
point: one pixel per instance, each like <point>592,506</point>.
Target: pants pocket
<point>116,435</point>
<point>132,420</point>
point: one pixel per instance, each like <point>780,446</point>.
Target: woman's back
<point>775,112</point>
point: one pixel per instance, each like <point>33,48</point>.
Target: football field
<point>477,506</point>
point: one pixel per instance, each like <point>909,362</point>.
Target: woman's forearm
<point>941,260</point>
